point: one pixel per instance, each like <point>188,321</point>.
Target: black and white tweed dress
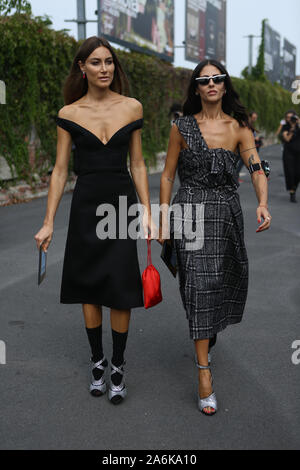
<point>213,275</point>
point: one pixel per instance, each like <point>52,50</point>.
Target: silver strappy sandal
<point>98,387</point>
<point>210,401</point>
<point>117,393</point>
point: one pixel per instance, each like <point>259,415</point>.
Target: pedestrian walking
<point>291,153</point>
<point>213,278</point>
<point>282,123</point>
<point>175,112</point>
<point>104,124</point>
<point>253,116</point>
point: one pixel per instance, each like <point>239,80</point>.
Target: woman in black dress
<point>100,264</point>
<point>291,153</point>
<point>213,264</point>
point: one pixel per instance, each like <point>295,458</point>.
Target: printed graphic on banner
<point>146,25</point>
<point>289,64</point>
<point>272,55</point>
<point>206,30</point>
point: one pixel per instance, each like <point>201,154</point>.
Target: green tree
<point>258,71</point>
<point>20,6</point>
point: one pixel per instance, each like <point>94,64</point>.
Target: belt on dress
<point>217,190</point>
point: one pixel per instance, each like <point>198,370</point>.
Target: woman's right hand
<point>44,236</point>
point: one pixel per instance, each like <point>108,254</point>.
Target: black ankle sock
<point>95,340</point>
<point>119,345</point>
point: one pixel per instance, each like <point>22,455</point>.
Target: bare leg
<point>92,315</point>
<point>205,388</point>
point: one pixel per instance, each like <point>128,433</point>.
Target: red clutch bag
<point>151,282</point>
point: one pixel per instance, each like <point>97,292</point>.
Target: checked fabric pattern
<point>213,278</point>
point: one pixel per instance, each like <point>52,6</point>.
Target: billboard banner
<point>205,36</point>
<point>272,54</point>
<point>289,64</point>
<point>145,25</point>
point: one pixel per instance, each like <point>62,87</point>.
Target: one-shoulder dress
<point>213,276</point>
<point>99,270</point>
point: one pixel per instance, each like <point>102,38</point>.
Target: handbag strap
<point>149,260</point>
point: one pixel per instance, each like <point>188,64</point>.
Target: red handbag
<point>151,282</point>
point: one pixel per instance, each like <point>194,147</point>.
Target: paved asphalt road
<point>45,402</point>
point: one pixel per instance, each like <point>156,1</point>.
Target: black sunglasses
<point>204,81</point>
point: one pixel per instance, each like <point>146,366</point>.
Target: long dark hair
<point>76,86</point>
<point>230,103</point>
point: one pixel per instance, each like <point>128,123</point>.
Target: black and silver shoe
<point>98,387</point>
<point>117,393</point>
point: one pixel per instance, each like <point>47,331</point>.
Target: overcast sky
<point>244,17</point>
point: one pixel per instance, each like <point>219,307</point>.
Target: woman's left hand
<point>262,212</point>
<point>150,229</point>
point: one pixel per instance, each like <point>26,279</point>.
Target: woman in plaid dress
<point>206,222</point>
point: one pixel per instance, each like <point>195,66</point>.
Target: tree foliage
<point>34,62</point>
<point>258,71</point>
<point>20,6</point>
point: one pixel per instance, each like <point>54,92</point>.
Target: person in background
<point>291,153</point>
<point>283,122</point>
<point>253,116</point>
<point>175,112</point>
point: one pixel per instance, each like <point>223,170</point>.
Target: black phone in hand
<point>42,265</point>
<point>168,255</point>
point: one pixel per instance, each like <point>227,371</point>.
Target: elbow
<point>170,177</point>
<point>138,168</point>
<point>60,172</point>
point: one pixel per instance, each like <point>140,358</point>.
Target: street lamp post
<point>250,49</point>
<point>81,20</point>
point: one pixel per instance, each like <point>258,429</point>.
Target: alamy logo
<point>296,354</point>
<point>2,352</point>
<point>188,222</point>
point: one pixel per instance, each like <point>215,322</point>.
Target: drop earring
<point>83,75</point>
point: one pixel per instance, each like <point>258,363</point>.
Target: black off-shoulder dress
<point>96,270</point>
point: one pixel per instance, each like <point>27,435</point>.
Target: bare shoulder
<point>175,130</point>
<point>232,123</point>
<point>236,128</point>
<point>245,134</point>
<point>68,111</point>
<point>134,107</point>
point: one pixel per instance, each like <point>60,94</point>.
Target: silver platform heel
<point>210,401</point>
<point>117,393</point>
<point>98,387</point>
